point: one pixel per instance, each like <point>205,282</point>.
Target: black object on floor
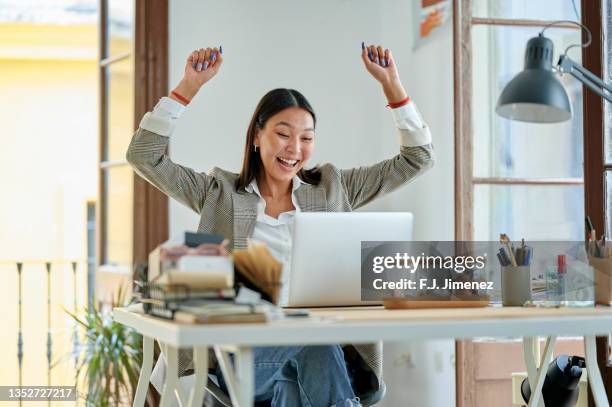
<point>561,383</point>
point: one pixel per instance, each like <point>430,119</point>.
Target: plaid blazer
<point>232,212</point>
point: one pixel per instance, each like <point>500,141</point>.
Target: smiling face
<point>285,143</point>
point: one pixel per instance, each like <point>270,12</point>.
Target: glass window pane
<point>118,187</point>
<point>528,9</point>
<point>120,26</point>
<point>533,212</point>
<point>120,108</point>
<point>607,67</point>
<point>506,148</point>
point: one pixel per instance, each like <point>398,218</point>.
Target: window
<point>132,215</point>
<point>527,180</point>
<point>117,105</point>
<point>524,179</point>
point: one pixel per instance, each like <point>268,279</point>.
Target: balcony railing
<point>47,269</point>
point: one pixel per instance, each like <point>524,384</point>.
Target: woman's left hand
<point>380,64</point>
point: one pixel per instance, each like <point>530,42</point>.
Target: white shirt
<point>277,233</point>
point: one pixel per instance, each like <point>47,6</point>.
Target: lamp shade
<point>535,94</point>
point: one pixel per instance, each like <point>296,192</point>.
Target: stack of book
<point>198,272</point>
<point>215,312</point>
<point>192,281</point>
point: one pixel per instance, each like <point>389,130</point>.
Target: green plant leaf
<point>110,356</point>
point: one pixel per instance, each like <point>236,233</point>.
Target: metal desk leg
<point>245,371</point>
<point>145,372</point>
<point>531,354</point>
<point>239,380</point>
<point>536,391</point>
<point>172,382</point>
<point>594,375</point>
<point>200,361</point>
<point>228,373</point>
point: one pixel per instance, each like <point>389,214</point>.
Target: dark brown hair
<point>272,103</point>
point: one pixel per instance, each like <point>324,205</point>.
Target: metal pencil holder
<point>516,285</point>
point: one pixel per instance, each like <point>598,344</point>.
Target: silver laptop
<point>326,254</point>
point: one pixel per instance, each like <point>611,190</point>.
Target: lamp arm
<point>568,65</point>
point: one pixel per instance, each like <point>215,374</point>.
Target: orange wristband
<point>180,97</point>
<point>394,105</point>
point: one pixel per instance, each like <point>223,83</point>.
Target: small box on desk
<point>188,240</point>
<point>602,273</point>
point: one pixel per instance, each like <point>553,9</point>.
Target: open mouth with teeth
<point>287,163</point>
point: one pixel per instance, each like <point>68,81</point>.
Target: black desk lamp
<point>535,94</point>
<point>561,383</point>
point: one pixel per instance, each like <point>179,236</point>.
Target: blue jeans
<point>308,376</point>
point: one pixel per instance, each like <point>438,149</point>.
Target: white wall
<point>427,74</point>
<point>314,47</point>
<point>415,372</point>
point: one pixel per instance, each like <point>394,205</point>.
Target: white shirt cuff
<point>415,138</point>
<point>163,117</point>
<point>407,117</point>
<point>411,127</point>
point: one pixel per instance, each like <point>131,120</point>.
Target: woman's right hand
<point>200,67</point>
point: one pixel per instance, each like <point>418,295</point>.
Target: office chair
<point>215,397</point>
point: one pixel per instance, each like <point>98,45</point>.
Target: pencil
<point>503,238</point>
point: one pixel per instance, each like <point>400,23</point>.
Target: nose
<point>293,145</point>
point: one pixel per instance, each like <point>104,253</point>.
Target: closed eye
<point>308,139</point>
<point>283,135</point>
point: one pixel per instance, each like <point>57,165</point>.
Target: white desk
<point>359,325</point>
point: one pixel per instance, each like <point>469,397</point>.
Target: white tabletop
<point>370,324</point>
